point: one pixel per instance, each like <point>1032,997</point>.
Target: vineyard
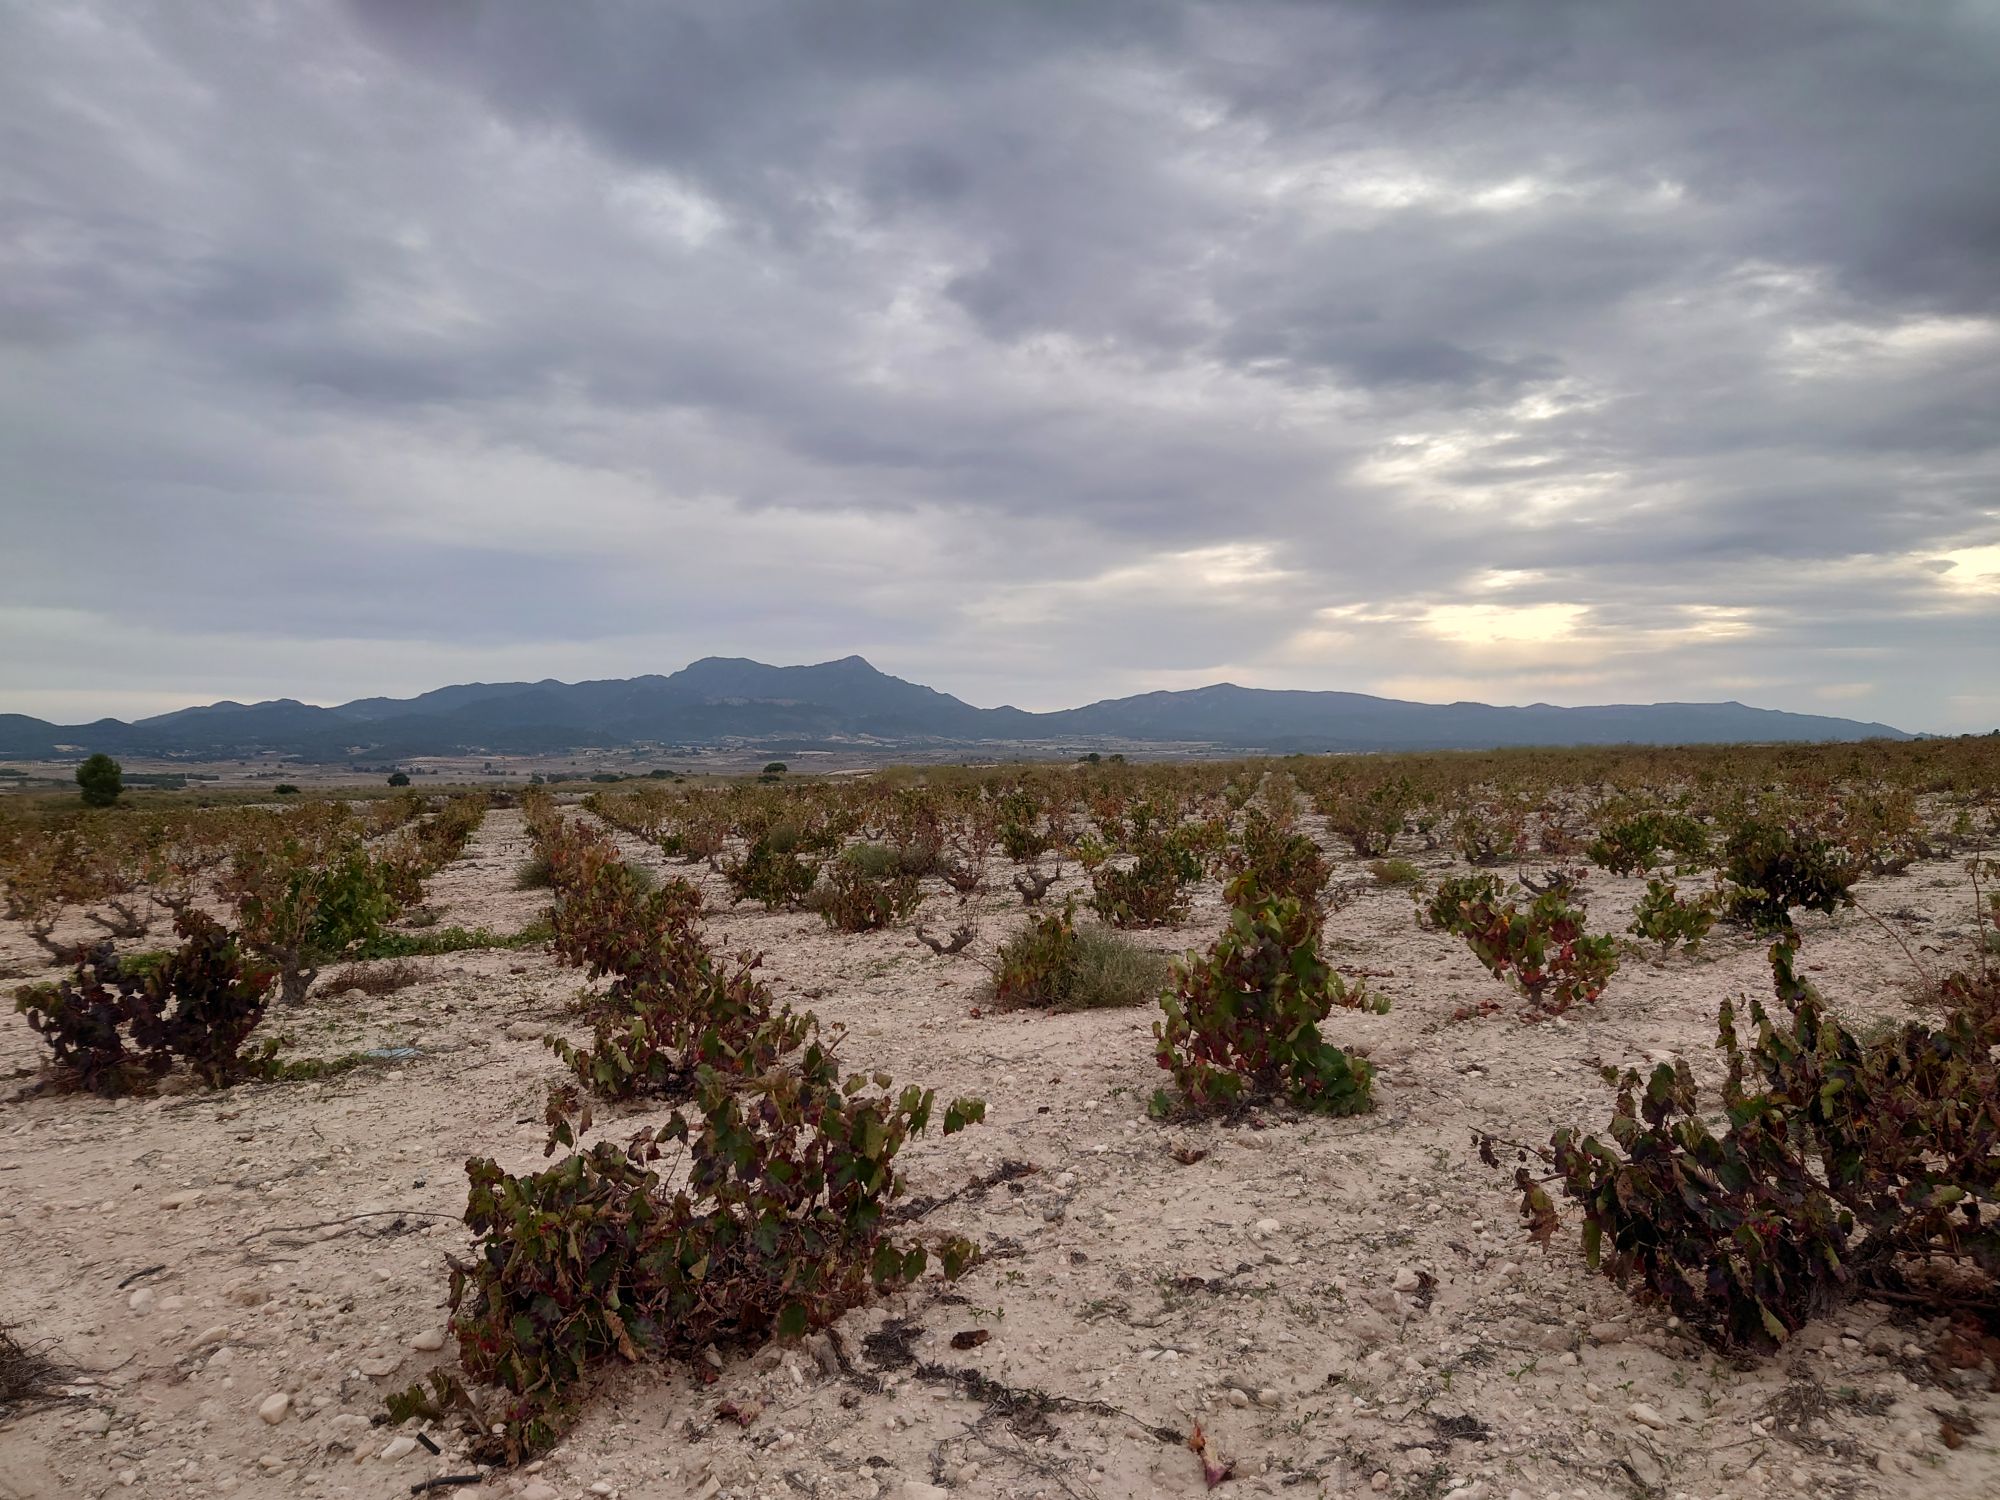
<point>1595,1122</point>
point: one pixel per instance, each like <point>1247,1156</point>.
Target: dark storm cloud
<point>1564,350</point>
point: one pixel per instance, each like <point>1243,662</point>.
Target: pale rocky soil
<point>200,1255</point>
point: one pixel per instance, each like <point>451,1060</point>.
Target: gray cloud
<point>1563,351</point>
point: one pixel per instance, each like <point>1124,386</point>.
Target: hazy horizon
<point>1575,353</point>
<point>941,687</point>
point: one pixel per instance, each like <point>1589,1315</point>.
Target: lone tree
<point>399,778</point>
<point>102,779</point>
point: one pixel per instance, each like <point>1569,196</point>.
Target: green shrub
<point>401,778</point>
<point>100,780</point>
<point>447,940</point>
<point>1396,872</point>
<point>1052,964</point>
<point>1242,1023</point>
<point>782,1226</point>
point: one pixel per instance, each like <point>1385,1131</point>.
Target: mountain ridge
<point>719,699</point>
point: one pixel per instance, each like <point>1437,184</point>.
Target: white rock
<point>1266,1227</point>
<point>916,1489</point>
<point>95,1424</point>
<point>213,1335</point>
<point>538,1489</point>
<point>1645,1416</point>
<point>430,1339</point>
<point>347,1429</point>
<point>399,1446</point>
<point>274,1407</point>
<point>375,1366</point>
<point>1407,1279</point>
<point>185,1199</point>
<point>1269,1396</point>
<point>142,1301</point>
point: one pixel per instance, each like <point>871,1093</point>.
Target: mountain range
<point>725,699</point>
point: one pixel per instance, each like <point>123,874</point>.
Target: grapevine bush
<point>1541,948</point>
<point>673,1007</point>
<point>1666,917</point>
<point>781,1224</point>
<point>111,1027</point>
<point>1152,891</point>
<point>851,900</point>
<point>1775,866</point>
<point>1841,1159</point>
<point>1242,1023</point>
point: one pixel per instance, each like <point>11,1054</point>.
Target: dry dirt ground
<point>200,1254</point>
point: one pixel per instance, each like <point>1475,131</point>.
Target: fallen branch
<point>445,1482</point>
<point>380,1213</point>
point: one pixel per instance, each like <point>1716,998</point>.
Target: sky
<point>1574,351</point>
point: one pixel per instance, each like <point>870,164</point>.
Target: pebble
<point>142,1301</point>
<point>274,1407</point>
<point>1646,1465</point>
<point>95,1424</point>
<point>1269,1397</point>
<point>399,1446</point>
<point>1645,1416</point>
<point>917,1489</point>
<point>1239,1398</point>
<point>215,1335</point>
<point>430,1339</point>
<point>1267,1227</point>
<point>1379,1481</point>
<point>538,1489</point>
<point>376,1366</point>
<point>1407,1279</point>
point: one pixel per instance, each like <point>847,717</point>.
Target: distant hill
<point>721,699</point>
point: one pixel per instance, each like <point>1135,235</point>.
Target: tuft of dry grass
<point>29,1376</point>
<point>377,979</point>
